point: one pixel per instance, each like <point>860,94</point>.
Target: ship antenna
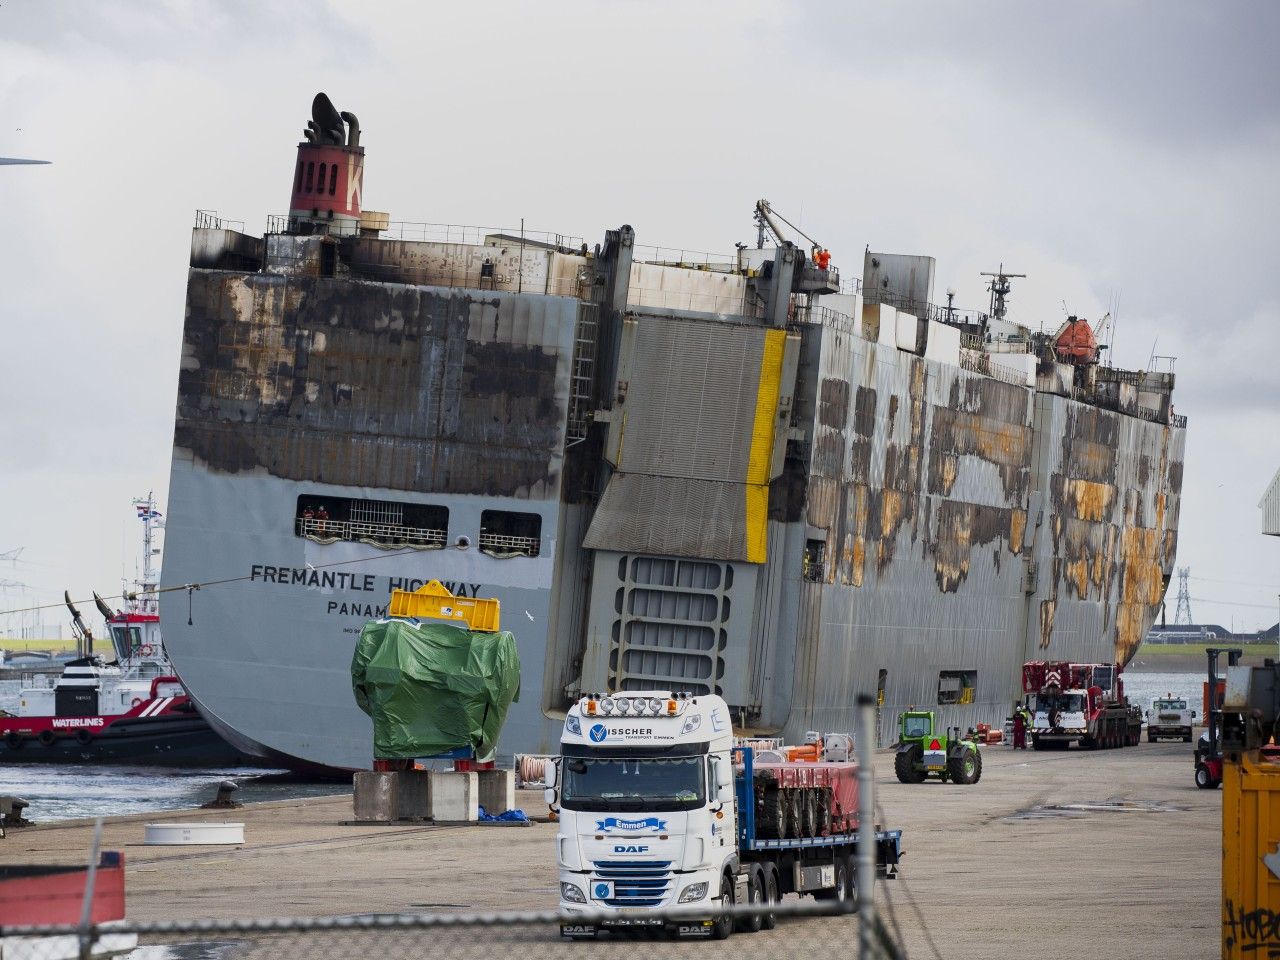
<point>1000,287</point>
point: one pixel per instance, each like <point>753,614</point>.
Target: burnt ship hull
<point>724,477</point>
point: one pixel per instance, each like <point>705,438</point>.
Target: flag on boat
<point>144,512</point>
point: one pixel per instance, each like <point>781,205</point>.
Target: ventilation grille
<point>669,630</point>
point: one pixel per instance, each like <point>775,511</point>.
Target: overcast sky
<point>1114,152</point>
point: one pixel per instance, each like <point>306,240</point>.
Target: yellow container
<point>1250,861</point>
<point>435,602</point>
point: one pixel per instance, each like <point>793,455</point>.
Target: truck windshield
<point>1171,704</point>
<point>915,727</point>
<point>615,783</point>
<point>1064,702</point>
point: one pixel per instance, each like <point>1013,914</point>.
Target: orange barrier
<point>806,753</point>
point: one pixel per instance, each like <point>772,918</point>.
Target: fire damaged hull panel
<point>380,385</point>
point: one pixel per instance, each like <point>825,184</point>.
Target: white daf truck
<point>659,811</point>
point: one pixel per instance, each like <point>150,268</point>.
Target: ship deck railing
<point>461,233</point>
<point>977,362</point>
<point>376,534</point>
<point>503,545</point>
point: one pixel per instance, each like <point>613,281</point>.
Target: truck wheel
<point>752,922</point>
<point>965,766</point>
<point>840,892</point>
<point>771,897</point>
<point>1036,744</point>
<point>1204,779</point>
<point>825,825</point>
<point>810,804</point>
<point>795,808</point>
<point>851,877</point>
<point>908,764</point>
<point>723,927</point>
<point>777,815</point>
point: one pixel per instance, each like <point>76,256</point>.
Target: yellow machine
<point>1250,814</point>
<point>435,602</point>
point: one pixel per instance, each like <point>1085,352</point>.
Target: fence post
<point>864,738</point>
<point>86,909</point>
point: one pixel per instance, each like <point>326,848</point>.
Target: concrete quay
<point>1071,854</point>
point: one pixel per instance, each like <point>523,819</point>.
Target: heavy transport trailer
<point>822,864</point>
<point>766,868</point>
<point>648,862</point>
<point>1080,703</point>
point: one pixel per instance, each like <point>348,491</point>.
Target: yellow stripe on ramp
<point>762,438</point>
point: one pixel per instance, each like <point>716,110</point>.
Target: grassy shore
<point>1190,657</point>
<point>65,645</point>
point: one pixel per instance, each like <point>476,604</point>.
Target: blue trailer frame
<point>888,842</point>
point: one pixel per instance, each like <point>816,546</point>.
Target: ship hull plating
<point>784,510</point>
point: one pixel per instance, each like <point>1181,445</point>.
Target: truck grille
<point>636,883</point>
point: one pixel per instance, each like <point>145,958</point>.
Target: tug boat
<point>131,710</point>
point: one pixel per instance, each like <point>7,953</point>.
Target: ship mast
<point>152,520</point>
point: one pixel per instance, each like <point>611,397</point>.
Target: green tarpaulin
<point>432,687</point>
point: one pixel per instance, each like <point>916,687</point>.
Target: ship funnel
<point>329,175</point>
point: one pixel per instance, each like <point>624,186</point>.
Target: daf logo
<point>598,732</point>
<point>630,848</point>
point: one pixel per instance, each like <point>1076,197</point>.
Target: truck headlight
<point>691,723</point>
<point>572,724</point>
<point>695,891</point>
<point>570,893</point>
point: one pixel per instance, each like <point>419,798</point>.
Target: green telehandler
<point>922,753</point>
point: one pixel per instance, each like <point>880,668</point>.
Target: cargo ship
<point>742,475</point>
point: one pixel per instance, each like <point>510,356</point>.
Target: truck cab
<point>645,792</point>
<point>1169,719</point>
<point>1063,712</point>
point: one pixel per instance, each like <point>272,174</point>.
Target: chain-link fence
<point>793,928</point>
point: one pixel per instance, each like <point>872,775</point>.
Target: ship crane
<point>767,218</point>
<point>84,636</point>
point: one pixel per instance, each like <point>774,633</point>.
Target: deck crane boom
<point>767,226</point>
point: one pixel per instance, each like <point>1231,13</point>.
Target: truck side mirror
<point>1193,714</point>
<point>549,795</point>
<point>549,770</point>
<point>722,774</point>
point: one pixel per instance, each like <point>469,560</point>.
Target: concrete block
<point>392,795</point>
<point>908,333</point>
<point>497,790</point>
<point>943,343</point>
<point>879,323</point>
<point>455,796</point>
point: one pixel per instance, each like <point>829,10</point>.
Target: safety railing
<point>502,545</point>
<point>977,362</point>
<point>209,220</point>
<point>423,231</point>
<point>375,534</point>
